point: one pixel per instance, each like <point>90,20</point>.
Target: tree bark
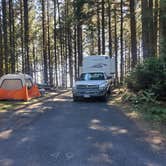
<point>26,37</point>
<point>55,43</point>
<point>151,29</point>
<point>75,53</point>
<point>133,34</point>
<point>145,29</point>
<point>121,43</point>
<point>5,36</point>
<point>69,43</point>
<point>50,60</point>
<point>44,43</point>
<point>163,29</point>
<point>11,35</point>
<point>109,28</point>
<point>116,47</point>
<point>22,36</point>
<point>155,29</point>
<point>79,46</point>
<point>1,47</point>
<point>103,27</point>
<point>98,29</point>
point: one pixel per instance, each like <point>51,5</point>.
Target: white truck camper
<point>96,78</point>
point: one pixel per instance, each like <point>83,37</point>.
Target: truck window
<point>92,76</point>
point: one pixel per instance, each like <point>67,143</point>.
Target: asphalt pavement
<point>86,133</point>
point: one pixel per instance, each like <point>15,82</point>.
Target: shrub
<point>150,75</point>
<point>157,113</point>
<point>146,96</point>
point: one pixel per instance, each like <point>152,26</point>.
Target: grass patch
<point>12,105</point>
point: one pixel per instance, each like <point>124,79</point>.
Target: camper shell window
<point>12,84</point>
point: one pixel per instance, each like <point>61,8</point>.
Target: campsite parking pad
<point>86,133</point>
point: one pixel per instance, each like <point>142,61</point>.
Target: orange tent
<point>18,87</point>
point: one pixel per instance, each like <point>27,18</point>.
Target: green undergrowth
<point>11,105</point>
<point>146,104</point>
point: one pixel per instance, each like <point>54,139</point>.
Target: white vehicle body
<point>97,63</point>
<point>96,77</point>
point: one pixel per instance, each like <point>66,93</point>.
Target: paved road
<point>78,134</point>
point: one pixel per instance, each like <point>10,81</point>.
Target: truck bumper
<point>89,94</point>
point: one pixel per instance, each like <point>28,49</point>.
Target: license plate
<point>86,96</point>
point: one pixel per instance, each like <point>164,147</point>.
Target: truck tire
<point>109,90</point>
<point>105,97</point>
<point>75,98</point>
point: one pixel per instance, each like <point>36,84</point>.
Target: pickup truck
<point>96,78</point>
<point>94,84</point>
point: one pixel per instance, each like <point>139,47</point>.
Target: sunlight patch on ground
<point>3,111</point>
<point>114,101</point>
<point>103,147</point>
<point>117,130</point>
<point>101,158</point>
<point>95,121</point>
<point>133,114</point>
<point>6,162</point>
<point>60,99</point>
<point>5,134</point>
<point>155,139</point>
<point>113,129</point>
<point>97,127</point>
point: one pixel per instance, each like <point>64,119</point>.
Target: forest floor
<point>156,129</point>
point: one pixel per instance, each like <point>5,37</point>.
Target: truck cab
<point>96,78</point>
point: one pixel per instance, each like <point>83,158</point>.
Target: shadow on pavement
<point>86,133</point>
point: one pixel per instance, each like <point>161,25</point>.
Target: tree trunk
<point>11,35</point>
<point>155,28</point>
<point>5,36</point>
<point>1,47</point>
<point>79,46</point>
<point>145,29</point>
<point>116,47</point>
<point>69,43</point>
<point>44,43</point>
<point>109,28</point>
<point>55,43</point>
<point>22,36</point>
<point>26,37</point>
<point>133,34</point>
<point>75,53</point>
<point>48,46</point>
<point>121,43</point>
<point>151,30</point>
<point>61,40</point>
<point>103,27</point>
<point>162,28</point>
<point>70,57</point>
<point>34,61</point>
<point>98,29</point>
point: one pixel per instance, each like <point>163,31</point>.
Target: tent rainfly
<point>18,87</point>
